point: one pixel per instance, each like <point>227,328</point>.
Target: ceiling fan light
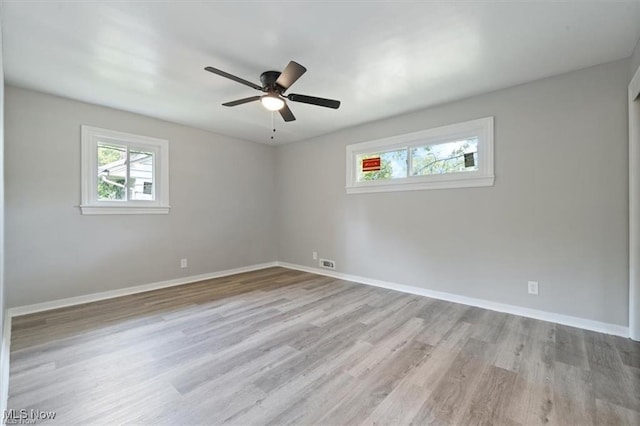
<point>272,102</point>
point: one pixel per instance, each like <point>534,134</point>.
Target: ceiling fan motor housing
<point>268,80</point>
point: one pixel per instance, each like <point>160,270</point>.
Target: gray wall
<point>4,375</point>
<point>2,251</point>
<point>558,212</point>
<point>221,198</point>
<point>635,59</point>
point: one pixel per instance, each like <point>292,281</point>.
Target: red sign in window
<point>371,164</point>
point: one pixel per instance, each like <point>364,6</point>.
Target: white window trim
<point>481,128</point>
<point>90,205</point>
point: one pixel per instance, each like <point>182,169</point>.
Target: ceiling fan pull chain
<point>273,124</point>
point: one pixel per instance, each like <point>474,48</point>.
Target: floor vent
<point>328,264</point>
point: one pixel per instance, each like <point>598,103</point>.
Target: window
<point>455,156</point>
<point>123,173</point>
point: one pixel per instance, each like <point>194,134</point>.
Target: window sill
<point>101,210</point>
<point>411,186</point>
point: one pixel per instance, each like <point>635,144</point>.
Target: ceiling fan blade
<point>286,113</point>
<point>329,103</point>
<point>291,73</point>
<point>233,77</point>
<point>241,101</point>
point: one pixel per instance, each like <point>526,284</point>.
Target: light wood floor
<point>284,347</point>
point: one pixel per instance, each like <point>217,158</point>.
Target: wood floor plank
<point>570,347</point>
<point>456,388</point>
<point>532,399</point>
<point>618,387</point>
<point>491,399</point>
<point>614,415</point>
<point>376,385</point>
<point>313,405</point>
<point>573,396</point>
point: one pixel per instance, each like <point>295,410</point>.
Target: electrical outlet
<point>183,263</point>
<point>533,287</point>
<point>314,255</point>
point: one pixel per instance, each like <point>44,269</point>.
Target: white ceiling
<point>379,58</point>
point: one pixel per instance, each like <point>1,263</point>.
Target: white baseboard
<point>5,348</point>
<point>94,297</point>
<point>572,321</point>
<point>587,324</point>
<point>5,352</point>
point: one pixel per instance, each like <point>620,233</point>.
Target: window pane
<point>392,165</point>
<point>449,157</point>
<point>141,175</point>
<point>112,172</point>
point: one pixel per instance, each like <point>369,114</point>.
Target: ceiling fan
<point>274,84</point>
